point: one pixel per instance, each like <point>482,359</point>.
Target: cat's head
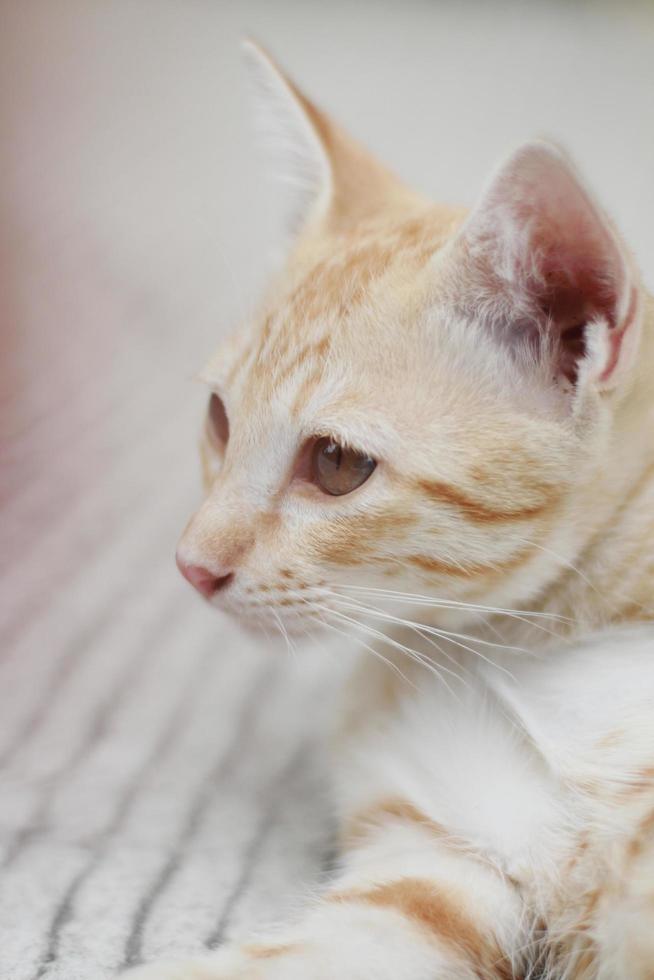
<point>421,396</point>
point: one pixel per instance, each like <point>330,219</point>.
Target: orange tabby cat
<point>437,435</point>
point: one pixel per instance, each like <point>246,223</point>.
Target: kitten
<point>440,424</point>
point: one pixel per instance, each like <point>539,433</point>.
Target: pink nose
<point>202,579</point>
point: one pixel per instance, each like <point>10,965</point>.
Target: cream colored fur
<point>495,770</point>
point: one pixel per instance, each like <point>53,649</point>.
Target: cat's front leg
<point>410,905</point>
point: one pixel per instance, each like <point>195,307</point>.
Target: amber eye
<point>337,470</point>
<point>217,422</point>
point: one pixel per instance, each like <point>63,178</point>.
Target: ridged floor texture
<point>160,785</point>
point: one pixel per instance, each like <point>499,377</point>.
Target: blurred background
<point>161,781</point>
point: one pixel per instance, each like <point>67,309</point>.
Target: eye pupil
<point>338,470</point>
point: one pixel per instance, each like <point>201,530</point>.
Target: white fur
<point>287,133</point>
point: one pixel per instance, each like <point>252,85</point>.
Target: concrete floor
<point>153,799</point>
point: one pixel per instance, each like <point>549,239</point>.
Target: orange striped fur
<point>494,760</point>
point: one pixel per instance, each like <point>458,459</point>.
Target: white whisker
<point>284,632</point>
<point>408,651</point>
<point>564,561</point>
<point>355,639</point>
<point>524,616</point>
<point>455,638</point>
<point>415,627</point>
<point>448,634</point>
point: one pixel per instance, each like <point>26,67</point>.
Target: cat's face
<point>415,404</point>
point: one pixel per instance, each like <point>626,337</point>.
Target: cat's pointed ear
<point>547,265</point>
<point>329,175</point>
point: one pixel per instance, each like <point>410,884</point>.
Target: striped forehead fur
<point>406,331</point>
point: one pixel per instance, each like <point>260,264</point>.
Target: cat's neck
<point>613,577</point>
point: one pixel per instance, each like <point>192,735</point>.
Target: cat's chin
<point>270,622</point>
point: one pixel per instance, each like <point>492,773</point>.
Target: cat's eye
<point>217,421</point>
<point>338,470</point>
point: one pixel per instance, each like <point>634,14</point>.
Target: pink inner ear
<point>617,337</point>
<point>579,267</point>
<point>570,293</point>
<point>548,250</point>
